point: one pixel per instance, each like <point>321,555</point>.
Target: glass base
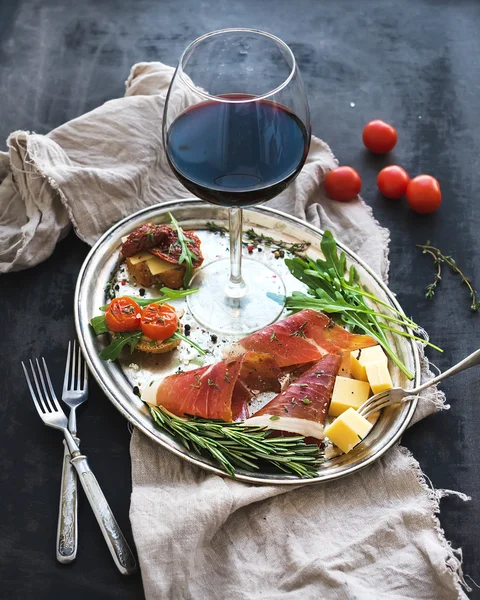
<point>214,310</point>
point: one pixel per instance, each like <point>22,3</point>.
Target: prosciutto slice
<point>260,372</point>
<point>240,399</point>
<point>303,407</point>
<point>303,337</point>
<point>219,391</point>
<point>206,392</point>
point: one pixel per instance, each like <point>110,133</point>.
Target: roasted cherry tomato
<point>123,314</point>
<point>423,194</point>
<point>379,137</point>
<point>343,184</point>
<point>159,321</point>
<point>392,182</point>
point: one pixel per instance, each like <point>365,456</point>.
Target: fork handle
<point>116,542</point>
<point>67,529</point>
<point>470,361</point>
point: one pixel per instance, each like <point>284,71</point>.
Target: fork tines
<point>76,372</point>
<point>44,399</point>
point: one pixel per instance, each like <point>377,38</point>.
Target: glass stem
<point>236,287</point>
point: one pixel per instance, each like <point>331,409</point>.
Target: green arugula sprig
<point>119,341</point>
<point>236,445</point>
<point>335,290</point>
<point>187,256</point>
<point>168,295</point>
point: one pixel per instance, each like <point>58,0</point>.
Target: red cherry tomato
<point>123,314</point>
<point>393,181</point>
<point>423,194</point>
<point>379,137</point>
<point>343,184</point>
<point>159,321</point>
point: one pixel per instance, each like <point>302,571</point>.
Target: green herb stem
<point>438,259</point>
<point>186,256</point>
<point>179,336</point>
<point>414,337</point>
<point>237,445</point>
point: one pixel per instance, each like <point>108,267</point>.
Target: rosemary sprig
<point>236,445</point>
<point>335,290</point>
<point>187,256</point>
<point>438,259</point>
<point>251,236</point>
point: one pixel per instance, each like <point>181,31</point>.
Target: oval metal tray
<point>117,379</point>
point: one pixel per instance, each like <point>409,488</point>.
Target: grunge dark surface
<point>412,63</point>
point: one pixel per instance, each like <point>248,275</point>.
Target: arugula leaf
<point>335,290</point>
<point>179,336</point>
<point>99,324</point>
<point>119,341</point>
<point>187,256</point>
<point>168,296</point>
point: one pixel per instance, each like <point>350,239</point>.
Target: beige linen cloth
<point>373,535</point>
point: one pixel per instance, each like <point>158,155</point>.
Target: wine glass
<point>236,130</point>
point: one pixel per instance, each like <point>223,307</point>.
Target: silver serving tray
<point>117,379</point>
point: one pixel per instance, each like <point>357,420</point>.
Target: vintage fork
<point>398,395</point>
<point>46,403</point>
<point>75,393</point>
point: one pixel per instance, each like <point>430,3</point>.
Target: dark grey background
<point>413,63</point>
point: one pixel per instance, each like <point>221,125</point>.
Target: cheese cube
<point>360,358</point>
<point>348,393</point>
<point>379,377</point>
<point>140,257</point>
<point>344,369</point>
<point>348,430</point>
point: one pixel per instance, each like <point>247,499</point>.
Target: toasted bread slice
<point>172,278</point>
<point>154,347</point>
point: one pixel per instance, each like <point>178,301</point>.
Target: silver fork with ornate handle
<point>75,393</point>
<point>46,403</point>
<point>398,395</point>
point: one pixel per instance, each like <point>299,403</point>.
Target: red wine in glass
<point>237,154</point>
<point>236,131</point>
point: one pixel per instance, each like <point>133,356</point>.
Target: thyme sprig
<point>438,259</point>
<point>235,445</point>
<point>250,236</point>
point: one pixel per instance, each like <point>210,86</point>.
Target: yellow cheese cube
<point>348,393</point>
<point>140,257</point>
<point>360,358</point>
<point>379,377</point>
<point>344,369</point>
<point>158,265</point>
<point>348,430</point>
